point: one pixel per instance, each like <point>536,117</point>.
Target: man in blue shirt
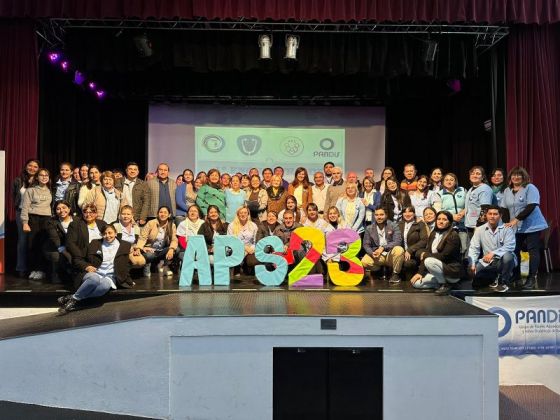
<point>491,253</point>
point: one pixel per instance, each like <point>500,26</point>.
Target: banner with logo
<point>236,149</point>
<point>527,325</point>
<point>2,208</point>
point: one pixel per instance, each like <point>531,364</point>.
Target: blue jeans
<point>21,264</point>
<point>94,285</point>
<point>157,255</point>
<point>435,277</point>
<point>503,267</point>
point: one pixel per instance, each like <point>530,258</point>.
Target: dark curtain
<point>533,104</point>
<point>19,103</point>
<point>77,127</point>
<point>481,11</point>
<point>226,63</point>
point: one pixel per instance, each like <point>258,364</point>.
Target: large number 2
<point>299,275</point>
<point>355,272</point>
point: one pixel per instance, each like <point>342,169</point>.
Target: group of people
<point>93,226</point>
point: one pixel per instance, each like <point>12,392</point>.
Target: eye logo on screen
<point>249,144</point>
<point>213,143</point>
<point>326,143</point>
<point>291,146</point>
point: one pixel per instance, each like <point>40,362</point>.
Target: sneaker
<point>168,272</point>
<point>494,284</point>
<point>395,279</point>
<point>146,271</point>
<point>70,306</point>
<point>443,290</point>
<point>63,300</point>
<point>32,275</point>
<point>502,288</point>
<point>40,275</point>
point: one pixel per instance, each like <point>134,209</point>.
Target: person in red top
<point>408,184</point>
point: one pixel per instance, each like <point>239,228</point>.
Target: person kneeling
<point>106,267</point>
<point>441,260</point>
<point>496,243</point>
<point>382,242</point>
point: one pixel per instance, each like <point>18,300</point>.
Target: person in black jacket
<point>415,238</point>
<point>106,267</point>
<point>441,260</point>
<point>66,188</point>
<point>55,246</point>
<point>80,233</point>
<point>212,226</point>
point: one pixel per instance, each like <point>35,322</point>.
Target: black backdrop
<point>426,122</point>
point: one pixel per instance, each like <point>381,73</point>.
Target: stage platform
<point>17,292</point>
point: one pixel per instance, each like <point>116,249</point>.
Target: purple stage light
<point>92,85</point>
<point>100,94</point>
<point>54,57</point>
<point>454,85</point>
<point>79,77</point>
<point>65,65</point>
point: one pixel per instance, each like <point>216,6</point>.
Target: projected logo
<point>326,143</point>
<point>505,320</point>
<point>249,144</point>
<point>213,143</point>
<point>291,146</point>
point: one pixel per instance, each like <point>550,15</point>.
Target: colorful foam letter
<point>355,272</point>
<point>299,277</point>
<point>196,257</point>
<point>276,277</point>
<point>223,261</point>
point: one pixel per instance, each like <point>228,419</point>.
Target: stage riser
<point>221,367</point>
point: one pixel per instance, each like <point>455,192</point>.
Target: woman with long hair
<point>370,198</point>
<point>129,231</point>
<point>157,242</point>
<point>257,200</point>
<point>276,195</point>
<point>422,197</point>
<point>106,267</point>
<point>292,204</point>
<point>212,227</point>
<point>478,198</point>
<point>440,265</point>
<point>522,201</point>
<point>300,188</point>
<point>415,238</point>
<point>245,230</point>
<point>36,212</point>
<point>453,200</point>
<point>394,199</point>
<point>351,208</point>
<point>436,179</point>
<point>498,183</point>
<point>334,219</point>
<point>189,227</point>
<point>386,173</point>
<point>235,198</point>
<point>185,195</point>
<point>211,193</point>
<point>87,188</point>
<point>25,180</point>
<point>55,247</point>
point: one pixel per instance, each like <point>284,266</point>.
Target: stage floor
<point>244,303</point>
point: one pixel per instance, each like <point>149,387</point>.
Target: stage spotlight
<point>79,77</point>
<point>54,57</point>
<point>292,44</point>
<point>454,85</point>
<point>65,65</point>
<point>100,94</point>
<point>143,45</point>
<point>265,43</point>
<point>92,85</point>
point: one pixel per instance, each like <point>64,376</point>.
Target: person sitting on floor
<point>382,244</point>
<point>496,243</point>
<point>441,260</point>
<point>106,267</point>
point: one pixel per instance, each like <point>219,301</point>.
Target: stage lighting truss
<point>486,36</point>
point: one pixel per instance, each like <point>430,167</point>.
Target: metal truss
<point>486,36</point>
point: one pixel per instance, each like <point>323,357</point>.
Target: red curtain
<point>533,106</point>
<point>480,11</point>
<point>19,99</point>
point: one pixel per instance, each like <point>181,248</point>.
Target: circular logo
<point>326,144</point>
<point>291,146</point>
<point>504,322</point>
<point>213,143</point>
